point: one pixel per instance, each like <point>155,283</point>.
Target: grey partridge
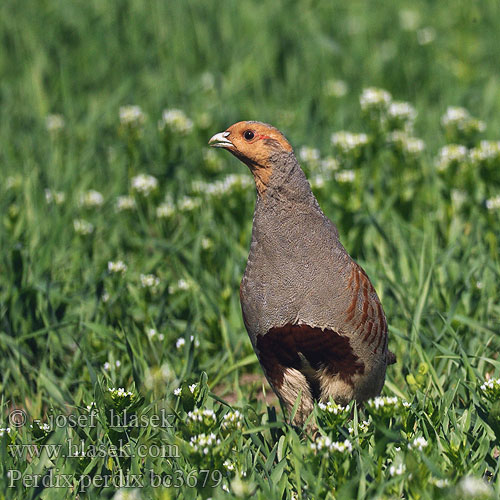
<point>312,314</point>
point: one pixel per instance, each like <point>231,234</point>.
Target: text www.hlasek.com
<point>79,449</point>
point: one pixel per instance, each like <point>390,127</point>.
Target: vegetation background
<point>111,303</point>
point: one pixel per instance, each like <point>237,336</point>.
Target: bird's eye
<point>248,135</point>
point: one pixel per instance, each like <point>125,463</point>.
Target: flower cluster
<point>374,99</point>
<point>363,426</point>
<point>493,203</point>
<point>309,155</point>
<point>325,445</point>
<point>223,186</point>
<point>418,443</point>
<point>386,406</point>
<point>181,285</point>
<point>451,155</point>
<point>175,120</point>
<point>144,184</point>
<point>475,488</point>
<point>131,116</point>
<point>205,419</point>
<point>401,116</point>
<point>397,470</point>
<point>232,420</point>
<point>125,203</point>
<point>491,388</point>
<point>459,124</point>
<point>117,267</point>
<point>349,143</point>
<point>119,393</point>
<point>4,430</point>
<point>487,152</point>
<point>345,176</point>
<point>91,199</point>
<point>83,227</point>
<point>203,442</point>
<point>150,281</point>
<point>57,197</point>
<point>54,123</point>
<point>336,88</point>
<point>404,143</point>
<point>153,333</point>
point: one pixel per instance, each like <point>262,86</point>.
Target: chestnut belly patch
<point>286,346</point>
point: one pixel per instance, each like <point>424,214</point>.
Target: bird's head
<point>257,145</point>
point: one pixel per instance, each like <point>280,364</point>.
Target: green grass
<point>70,329</point>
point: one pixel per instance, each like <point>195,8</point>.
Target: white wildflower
<point>106,366</point>
<point>439,482</point>
<point>409,19</point>
<point>194,340</point>
<point>83,227</point>
<point>228,465</point>
<point>347,141</point>
<point>127,494</point>
<point>402,111</point>
<point>426,35</point>
<point>165,210</point>
<point>318,181</point>
<point>56,197</point>
<point>325,444</point>
<point>150,281</point>
<point>206,243</point>
<point>345,176</point>
<point>336,88</point>
<point>178,391</point>
<point>454,115</point>
<point>91,199</point>
<point>374,98</point>
<point>4,430</point>
<point>309,155</point>
<point>13,182</point>
<point>131,116</point>
<point>125,203</point>
<point>223,186</point>
<point>207,81</point>
<point>474,488</point>
<point>487,150</point>
<point>54,123</point>
<point>329,164</point>
<point>458,197</point>
<point>105,297</point>
<point>206,416</point>
<point>397,470</point>
<point>418,443</point>
<point>203,442</point>
<point>119,393</point>
<point>181,342</point>
<point>192,388</point>
<point>493,203</point>
<point>451,154</point>
<point>176,121</point>
<point>118,363</point>
<point>118,267</point>
<point>144,184</point>
<point>187,203</point>
<point>232,420</point>
<point>363,426</point>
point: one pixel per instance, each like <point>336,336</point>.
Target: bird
<point>313,317</point>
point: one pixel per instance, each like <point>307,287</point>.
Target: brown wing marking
<point>371,318</point>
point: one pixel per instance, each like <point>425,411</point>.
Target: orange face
<point>253,143</point>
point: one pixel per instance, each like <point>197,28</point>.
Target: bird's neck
<point>286,185</point>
